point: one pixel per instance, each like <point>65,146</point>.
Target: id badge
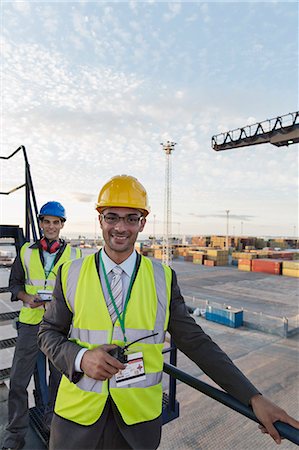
<point>133,372</point>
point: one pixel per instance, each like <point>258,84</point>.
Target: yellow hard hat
<point>123,191</point>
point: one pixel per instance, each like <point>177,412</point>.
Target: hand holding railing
<point>286,431</point>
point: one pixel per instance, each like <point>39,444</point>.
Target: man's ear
<point>142,224</point>
<point>100,220</point>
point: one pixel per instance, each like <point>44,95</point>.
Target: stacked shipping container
<point>290,268</point>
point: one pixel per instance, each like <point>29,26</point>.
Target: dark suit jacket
<point>188,336</point>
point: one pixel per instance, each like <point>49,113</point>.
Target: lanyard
<point>121,317</point>
<point>47,274</point>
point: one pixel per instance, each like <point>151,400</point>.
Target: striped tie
<point>117,292</point>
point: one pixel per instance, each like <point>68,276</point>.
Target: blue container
<point>227,316</point>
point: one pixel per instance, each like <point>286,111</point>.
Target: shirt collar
<point>127,266</point>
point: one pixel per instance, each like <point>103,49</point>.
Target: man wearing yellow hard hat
<point>105,332</point>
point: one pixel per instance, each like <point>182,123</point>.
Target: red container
<point>271,266</point>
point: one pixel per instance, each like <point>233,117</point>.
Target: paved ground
<point>269,361</point>
<point>275,295</point>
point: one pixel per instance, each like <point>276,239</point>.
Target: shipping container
<point>290,268</point>
<point>290,273</point>
<point>281,255</point>
<point>271,266</point>
<point>290,265</point>
<point>244,255</point>
<point>228,316</point>
<point>210,263</point>
<point>245,264</point>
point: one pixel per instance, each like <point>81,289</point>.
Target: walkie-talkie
<point>119,352</point>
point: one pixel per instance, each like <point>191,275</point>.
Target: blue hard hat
<point>52,209</point>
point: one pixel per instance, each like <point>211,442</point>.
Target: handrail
<point>31,210</point>
<point>14,189</point>
<point>285,430</point>
<point>13,153</point>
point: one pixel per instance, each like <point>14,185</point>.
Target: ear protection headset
<point>50,247</point>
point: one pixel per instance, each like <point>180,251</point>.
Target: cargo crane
<point>279,131</point>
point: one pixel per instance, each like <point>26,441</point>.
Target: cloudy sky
<point>91,89</point>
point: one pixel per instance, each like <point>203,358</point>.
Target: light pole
<point>95,230</point>
<point>241,228</point>
<point>167,247</point>
<point>227,219</point>
<point>154,230</point>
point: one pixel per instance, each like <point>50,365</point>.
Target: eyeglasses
<point>129,219</point>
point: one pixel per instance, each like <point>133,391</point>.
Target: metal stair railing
<point>31,211</point>
<point>286,431</point>
<point>32,230</point>
<point>170,406</point>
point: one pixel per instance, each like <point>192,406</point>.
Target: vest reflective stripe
<point>90,384</point>
<point>35,279</point>
<point>133,334</point>
<point>75,253</point>
<point>72,278</point>
<point>96,336</point>
<point>27,255</point>
<point>40,282</point>
<point>145,314</point>
<point>91,336</point>
<point>160,283</point>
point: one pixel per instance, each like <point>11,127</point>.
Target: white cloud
<point>179,94</point>
<point>174,9</point>
<point>22,7</point>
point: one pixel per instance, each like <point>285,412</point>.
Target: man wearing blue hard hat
<point>32,280</point>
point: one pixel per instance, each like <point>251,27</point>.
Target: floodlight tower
<point>227,218</point>
<point>167,247</point>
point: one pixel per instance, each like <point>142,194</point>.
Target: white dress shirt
<point>128,268</point>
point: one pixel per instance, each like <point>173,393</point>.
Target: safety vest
<point>147,313</point>
<point>35,278</point>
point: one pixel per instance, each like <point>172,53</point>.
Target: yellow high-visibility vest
<point>35,278</point>
<point>147,313</point>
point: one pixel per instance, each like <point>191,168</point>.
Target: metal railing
<point>286,431</point>
<point>31,210</point>
<point>279,326</point>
